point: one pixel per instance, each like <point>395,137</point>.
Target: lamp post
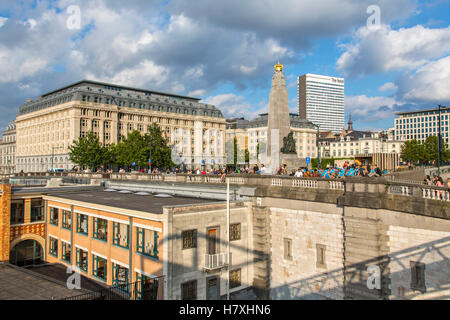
<point>318,149</point>
<point>53,154</point>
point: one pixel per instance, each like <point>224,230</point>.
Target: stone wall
<point>363,240</point>
<point>299,274</point>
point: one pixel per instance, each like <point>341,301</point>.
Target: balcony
<point>216,261</point>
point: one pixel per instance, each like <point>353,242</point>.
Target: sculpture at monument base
<point>289,144</point>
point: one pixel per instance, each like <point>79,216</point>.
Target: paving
<point>18,283</point>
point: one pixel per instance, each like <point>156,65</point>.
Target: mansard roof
<point>132,97</point>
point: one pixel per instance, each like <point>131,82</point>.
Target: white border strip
<point>120,263</point>
<point>111,211</point>
<point>145,273</point>
<point>99,255</point>
<point>143,226</point>
<point>58,207</point>
<point>55,237</point>
<point>68,242</point>
<point>102,217</point>
<point>82,248</point>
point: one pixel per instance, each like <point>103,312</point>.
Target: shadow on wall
<point>414,277</point>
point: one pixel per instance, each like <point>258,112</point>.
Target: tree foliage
<point>87,151</point>
<point>426,152</point>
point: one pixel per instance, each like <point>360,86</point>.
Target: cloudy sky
<point>224,51</point>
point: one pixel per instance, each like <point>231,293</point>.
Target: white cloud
<point>139,75</point>
<point>3,20</point>
<point>196,93</point>
<point>388,86</point>
<point>430,83</point>
<point>376,108</point>
<point>384,49</point>
<point>233,105</point>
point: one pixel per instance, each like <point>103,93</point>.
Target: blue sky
<point>224,51</point>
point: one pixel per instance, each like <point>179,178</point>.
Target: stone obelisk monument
<point>279,123</point>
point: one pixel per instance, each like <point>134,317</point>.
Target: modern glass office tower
<point>421,124</point>
<point>321,101</point>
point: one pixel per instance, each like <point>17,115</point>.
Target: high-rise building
<point>421,124</point>
<point>321,101</point>
<point>48,126</point>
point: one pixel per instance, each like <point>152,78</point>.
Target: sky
<point>393,54</point>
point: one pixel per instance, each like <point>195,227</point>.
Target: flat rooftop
<point>49,283</point>
<point>151,203</point>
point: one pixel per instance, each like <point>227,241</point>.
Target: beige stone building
<point>236,129</point>
<point>304,134</point>
<point>8,150</point>
<point>47,126</point>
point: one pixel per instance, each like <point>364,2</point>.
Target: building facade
<point>236,129</point>
<point>321,101</point>
<point>8,150</point>
<point>421,124</point>
<point>48,126</point>
<point>304,134</point>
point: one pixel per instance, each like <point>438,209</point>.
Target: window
<point>189,290</point>
<point>82,223</point>
<point>120,234</point>
<point>235,278</point>
<point>82,259</point>
<point>288,249</point>
<point>235,231</point>
<point>100,229</point>
<point>320,254</point>
<point>189,239</point>
<point>54,216</point>
<point>147,242</point>
<point>37,211</point>
<point>99,267</point>
<point>53,248</point>
<point>66,219</point>
<point>120,275</point>
<point>147,288</point>
<point>418,276</point>
<point>66,252</point>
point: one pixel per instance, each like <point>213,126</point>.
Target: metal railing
<point>216,261</point>
<point>149,289</point>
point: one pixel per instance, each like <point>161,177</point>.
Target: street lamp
<point>318,149</point>
<point>53,154</point>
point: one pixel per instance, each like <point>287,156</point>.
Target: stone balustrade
<point>350,184</point>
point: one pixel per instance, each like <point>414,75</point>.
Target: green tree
<point>257,151</point>
<point>110,154</point>
<point>131,149</point>
<point>161,154</point>
<point>413,151</point>
<point>87,151</point>
<point>431,149</point>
